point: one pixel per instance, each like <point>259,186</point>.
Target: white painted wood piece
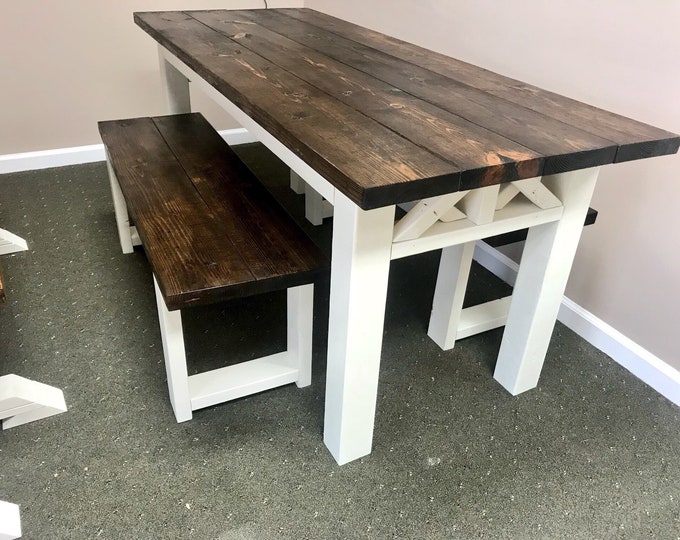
<point>297,184</point>
<point>449,293</point>
<point>174,354</point>
<point>532,188</point>
<point>11,243</point>
<point>175,86</point>
<point>424,214</point>
<point>127,235</point>
<point>191,392</point>
<point>313,206</point>
<point>479,206</point>
<point>483,317</point>
<point>360,265</point>
<point>23,400</point>
<point>310,176</point>
<point>519,214</point>
<point>300,310</point>
<point>10,521</point>
<point>546,262</point>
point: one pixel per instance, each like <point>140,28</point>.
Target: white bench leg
<point>127,234</point>
<point>10,521</point>
<point>300,321</point>
<point>297,184</point>
<point>23,400</point>
<point>223,384</point>
<point>175,357</point>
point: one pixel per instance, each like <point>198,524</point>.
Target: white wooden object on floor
<point>10,521</point>
<point>23,400</point>
<point>11,243</point>
<point>191,392</point>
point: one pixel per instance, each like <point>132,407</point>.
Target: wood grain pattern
<point>636,140</point>
<point>355,153</point>
<point>209,229</point>
<point>385,121</point>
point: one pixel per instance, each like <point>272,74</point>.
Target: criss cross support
<point>553,208</point>
<point>191,392</point>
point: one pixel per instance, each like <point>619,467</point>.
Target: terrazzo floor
<point>591,453</point>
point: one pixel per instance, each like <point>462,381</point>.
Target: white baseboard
<point>29,161</point>
<point>640,362</point>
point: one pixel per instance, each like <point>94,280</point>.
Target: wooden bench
<point>211,233</point>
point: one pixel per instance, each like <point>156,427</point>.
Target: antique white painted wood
<point>23,400</point>
<point>11,243</point>
<point>191,392</point>
<point>10,521</point>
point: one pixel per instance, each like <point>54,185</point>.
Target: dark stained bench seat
<point>211,232</point>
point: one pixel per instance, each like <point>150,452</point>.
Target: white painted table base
<point>363,247</point>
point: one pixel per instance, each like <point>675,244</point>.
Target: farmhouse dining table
<point>371,122</point>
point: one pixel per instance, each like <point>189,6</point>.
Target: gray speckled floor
<point>591,453</point>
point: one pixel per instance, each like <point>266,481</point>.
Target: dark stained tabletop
<point>386,121</point>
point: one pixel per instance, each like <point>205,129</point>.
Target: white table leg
<point>546,262</point>
<point>449,293</point>
<point>175,86</point>
<point>479,207</point>
<point>360,265</point>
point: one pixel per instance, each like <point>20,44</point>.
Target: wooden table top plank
<point>636,140</point>
<point>449,136</point>
<point>371,164</point>
<point>385,121</point>
<point>170,220</point>
<point>563,146</point>
<point>266,238</point>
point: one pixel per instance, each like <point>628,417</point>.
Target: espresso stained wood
<point>364,159</point>
<point>449,136</point>
<point>563,146</point>
<point>209,229</point>
<point>636,140</point>
<point>385,121</point>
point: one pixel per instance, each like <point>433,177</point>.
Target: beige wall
<point>621,55</point>
<point>68,64</point>
<point>65,65</point>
